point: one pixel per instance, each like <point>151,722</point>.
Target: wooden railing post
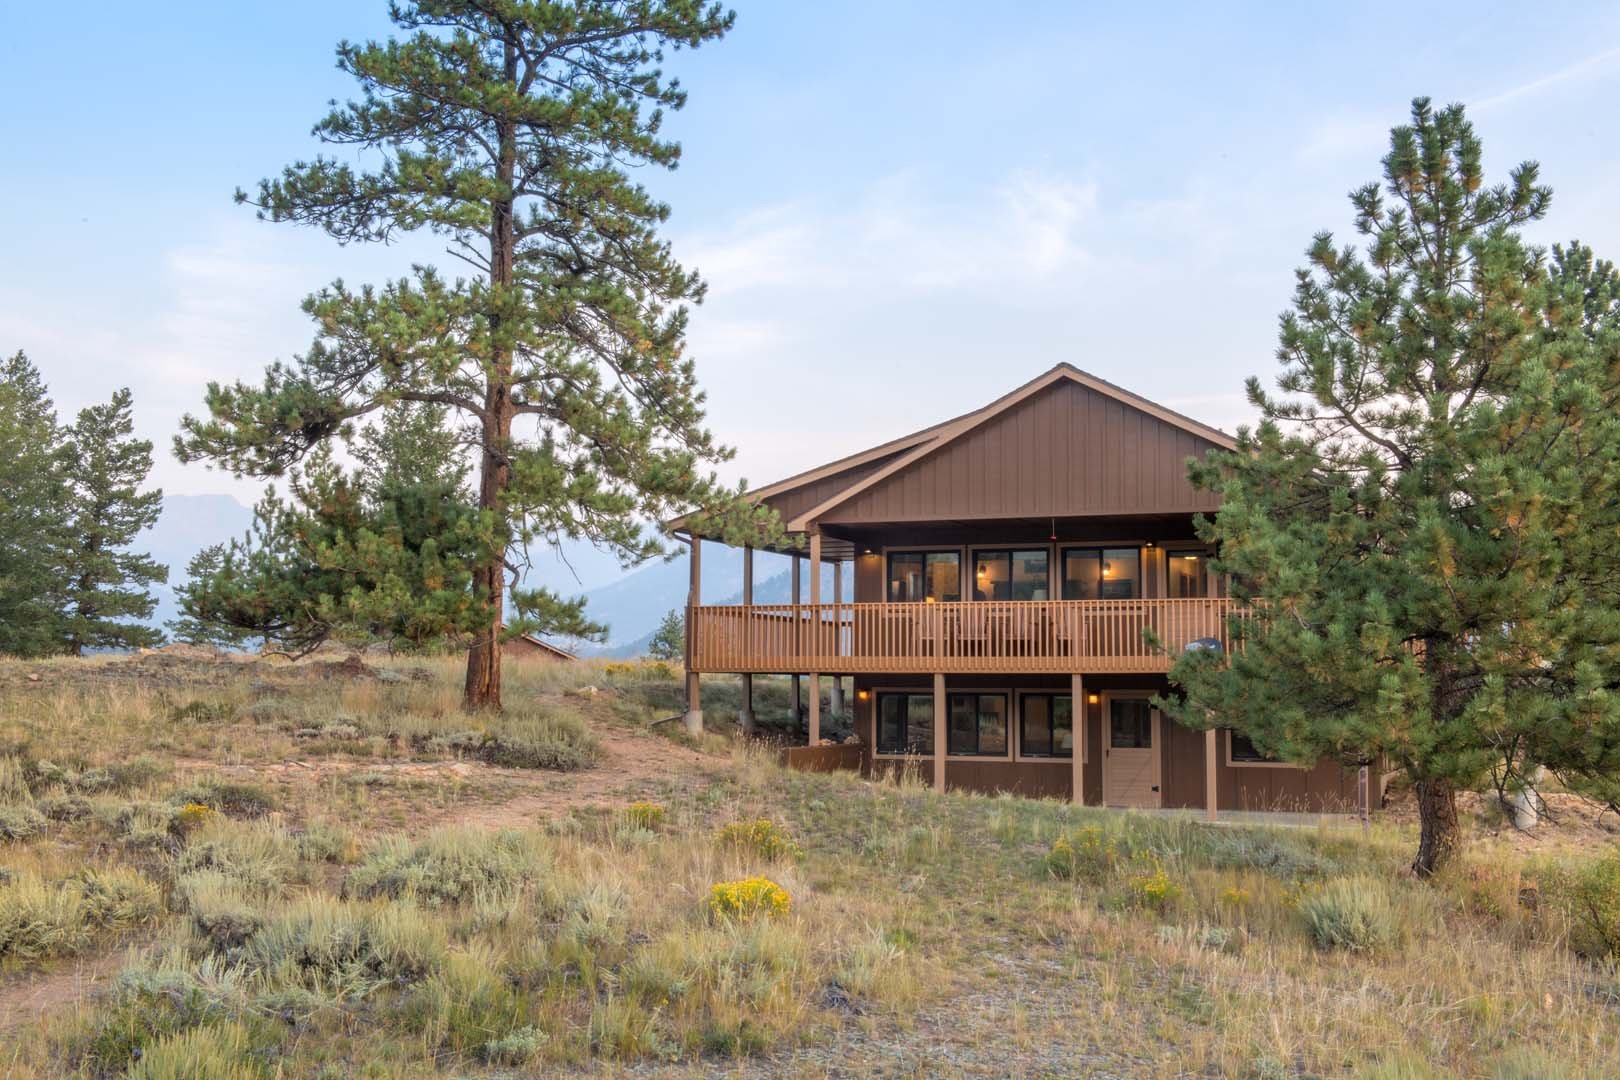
<point>745,709</point>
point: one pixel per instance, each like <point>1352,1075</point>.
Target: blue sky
<point>902,209</point>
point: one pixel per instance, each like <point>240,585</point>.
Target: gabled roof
<point>897,455</point>
<point>546,646</point>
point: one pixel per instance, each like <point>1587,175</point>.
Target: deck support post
<point>835,703</point>
<point>798,631</point>
<point>940,709</point>
<point>745,710</point>
<point>818,627</point>
<point>1079,717</point>
<point>694,596</point>
<point>1211,771</point>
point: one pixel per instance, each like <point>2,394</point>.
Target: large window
<point>1186,574</point>
<point>1011,575</point>
<point>917,576</point>
<point>978,724</point>
<point>1046,726</point>
<point>905,723</point>
<point>1102,573</point>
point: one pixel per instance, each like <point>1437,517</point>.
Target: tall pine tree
<point>33,514</point>
<point>108,586</point>
<point>1430,508</point>
<point>507,127</point>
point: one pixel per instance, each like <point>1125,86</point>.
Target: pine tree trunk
<point>1437,820</point>
<point>483,687</point>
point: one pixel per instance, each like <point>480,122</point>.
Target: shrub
<point>40,920</point>
<point>148,1004</point>
<point>1151,887</point>
<point>1087,854</point>
<point>749,897</point>
<point>323,842</point>
<point>644,815</point>
<point>257,857</point>
<point>192,816</point>
<point>220,913</point>
<point>449,866</point>
<point>543,741</point>
<point>230,798</point>
<point>350,949</point>
<point>763,837</point>
<point>1594,899</point>
<point>65,807</point>
<point>217,1052</point>
<point>1355,914</point>
<point>20,822</point>
<point>201,712</point>
<point>1288,858</point>
<point>519,1047</point>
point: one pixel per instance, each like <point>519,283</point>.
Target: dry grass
<point>339,926</point>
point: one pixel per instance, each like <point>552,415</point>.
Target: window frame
<point>1204,557</point>
<point>1007,550</point>
<point>1239,763</point>
<point>1076,734</point>
<point>888,562</point>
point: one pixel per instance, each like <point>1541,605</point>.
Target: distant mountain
<point>188,524</point>
<point>634,606</point>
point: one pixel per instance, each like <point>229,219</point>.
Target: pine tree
<point>1430,508</point>
<point>669,640</point>
<point>507,126</point>
<point>108,585</point>
<point>33,513</point>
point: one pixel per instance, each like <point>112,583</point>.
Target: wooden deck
<point>1004,637</point>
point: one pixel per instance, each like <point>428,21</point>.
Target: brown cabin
<point>534,647</point>
<point>1001,569</point>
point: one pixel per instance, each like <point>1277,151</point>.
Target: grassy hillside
<point>255,869</point>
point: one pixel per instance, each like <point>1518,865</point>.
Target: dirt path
<point>26,998</point>
<point>632,766</point>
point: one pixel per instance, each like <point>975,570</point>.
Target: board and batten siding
<point>1067,451</point>
<point>796,500</point>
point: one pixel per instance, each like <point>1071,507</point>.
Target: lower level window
<point>905,723</point>
<point>978,724</point>
<point>1047,726</point>
<point>1243,750</point>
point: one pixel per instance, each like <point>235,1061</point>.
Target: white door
<point>1130,752</point>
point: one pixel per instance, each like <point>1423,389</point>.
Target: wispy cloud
<point>1347,134</point>
<point>902,236</point>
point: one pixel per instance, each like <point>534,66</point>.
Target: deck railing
<point>1039,636</point>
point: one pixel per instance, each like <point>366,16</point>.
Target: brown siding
<point>797,500</point>
<point>1066,451</point>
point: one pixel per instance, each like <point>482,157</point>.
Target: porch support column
<point>817,632</point>
<point>939,732</point>
<point>1212,751</point>
<point>798,631</point>
<point>694,699</point>
<point>835,704</point>
<point>745,710</point>
<point>1079,717</point>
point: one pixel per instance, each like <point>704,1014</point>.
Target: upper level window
<point>1102,573</point>
<point>1186,574</point>
<point>917,576</point>
<point>1011,575</point>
